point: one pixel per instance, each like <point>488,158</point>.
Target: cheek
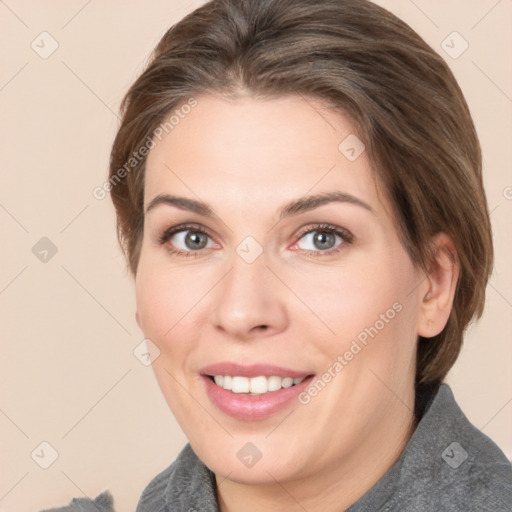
<point>350,298</point>
<point>167,298</point>
<point>165,304</point>
<point>364,301</point>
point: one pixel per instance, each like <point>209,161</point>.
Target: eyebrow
<point>295,207</point>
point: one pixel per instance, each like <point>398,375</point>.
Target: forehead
<point>250,153</point>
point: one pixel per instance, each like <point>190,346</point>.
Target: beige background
<point>68,373</point>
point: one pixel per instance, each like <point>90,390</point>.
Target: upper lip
<point>252,370</point>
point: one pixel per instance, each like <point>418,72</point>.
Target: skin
<point>246,158</point>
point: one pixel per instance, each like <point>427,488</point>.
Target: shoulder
<point>474,486</point>
<point>185,482</point>
<point>103,503</point>
<point>454,466</point>
<point>479,479</point>
<point>153,497</point>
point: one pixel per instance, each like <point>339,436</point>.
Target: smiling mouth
<point>259,385</point>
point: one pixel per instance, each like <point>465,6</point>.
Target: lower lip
<point>253,407</point>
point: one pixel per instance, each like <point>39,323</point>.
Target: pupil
<point>324,240</point>
<point>195,240</point>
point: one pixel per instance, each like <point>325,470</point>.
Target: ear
<point>438,288</point>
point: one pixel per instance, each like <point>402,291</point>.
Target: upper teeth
<point>256,385</point>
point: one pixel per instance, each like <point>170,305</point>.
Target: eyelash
<point>345,235</point>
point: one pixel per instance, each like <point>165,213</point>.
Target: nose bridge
<point>247,297</point>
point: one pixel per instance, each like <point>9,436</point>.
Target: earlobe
<point>436,303</point>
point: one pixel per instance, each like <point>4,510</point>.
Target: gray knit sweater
<point>448,465</point>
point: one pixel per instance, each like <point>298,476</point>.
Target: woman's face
<point>270,254</point>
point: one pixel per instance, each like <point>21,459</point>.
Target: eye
<point>185,240</point>
<point>190,240</point>
<point>323,239</point>
<point>318,240</point>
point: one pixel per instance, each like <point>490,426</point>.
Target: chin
<point>247,461</point>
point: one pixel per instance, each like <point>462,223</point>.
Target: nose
<point>249,301</point>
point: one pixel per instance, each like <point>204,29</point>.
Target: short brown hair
<point>402,97</point>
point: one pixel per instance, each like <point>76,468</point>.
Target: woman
<point>299,194</point>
